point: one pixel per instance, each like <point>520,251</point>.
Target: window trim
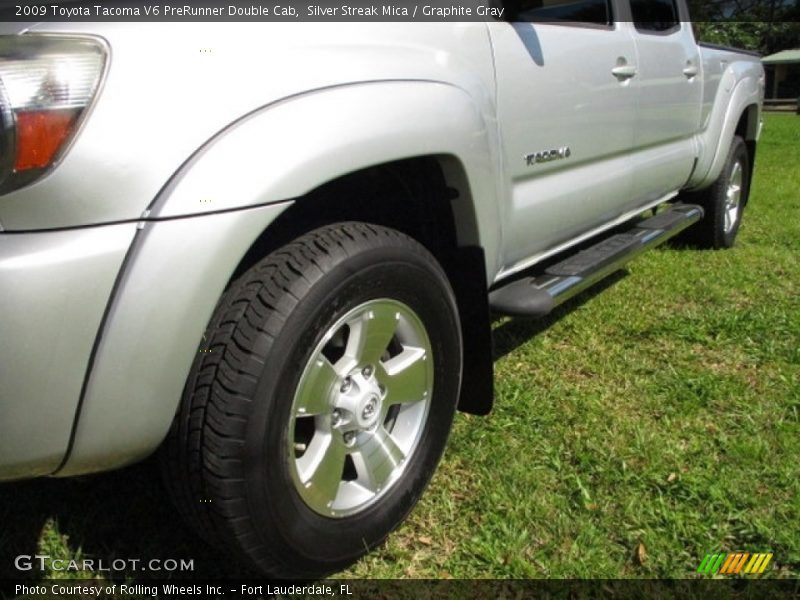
<point>578,24</point>
<point>664,33</point>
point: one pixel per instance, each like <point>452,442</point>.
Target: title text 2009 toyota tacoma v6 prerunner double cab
<point>276,260</point>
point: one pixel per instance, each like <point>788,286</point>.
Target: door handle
<point>623,72</point>
<point>691,71</point>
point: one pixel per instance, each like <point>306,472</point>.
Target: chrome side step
<point>537,296</point>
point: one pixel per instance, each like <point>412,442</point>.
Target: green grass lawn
<point>641,428</point>
<point>634,430</point>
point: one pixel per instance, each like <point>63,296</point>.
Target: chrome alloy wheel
<point>360,408</point>
<point>733,196</point>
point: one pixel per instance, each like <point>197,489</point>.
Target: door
<point>566,99</point>
<point>670,80</point>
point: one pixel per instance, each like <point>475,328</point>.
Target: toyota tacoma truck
<point>272,253</point>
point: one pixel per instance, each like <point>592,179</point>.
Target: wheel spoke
<point>732,200</point>
<point>377,459</point>
<point>321,469</point>
<point>736,173</point>
<point>733,197</point>
<point>406,377</point>
<point>371,333</point>
<point>314,393</point>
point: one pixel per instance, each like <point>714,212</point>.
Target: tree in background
<point>764,26</point>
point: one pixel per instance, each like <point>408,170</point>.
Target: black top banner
<point>271,11</point>
<point>351,10</point>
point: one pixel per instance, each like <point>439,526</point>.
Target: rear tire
<point>313,422</point>
<point>723,202</point>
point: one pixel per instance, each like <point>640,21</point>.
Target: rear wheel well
<point>428,199</point>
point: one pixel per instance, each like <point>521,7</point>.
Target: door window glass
<point>655,15</point>
<point>595,12</point>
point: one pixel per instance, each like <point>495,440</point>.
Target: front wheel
<point>316,417</point>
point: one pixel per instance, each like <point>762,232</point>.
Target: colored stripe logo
<point>735,563</point>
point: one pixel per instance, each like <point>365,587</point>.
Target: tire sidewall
<point>278,512</point>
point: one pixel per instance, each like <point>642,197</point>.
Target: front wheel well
<point>428,199</point>
<point>409,195</point>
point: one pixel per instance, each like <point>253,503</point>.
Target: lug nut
<point>367,371</point>
<point>349,438</point>
<point>346,385</point>
<point>337,417</point>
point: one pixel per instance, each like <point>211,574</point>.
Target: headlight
<point>47,82</point>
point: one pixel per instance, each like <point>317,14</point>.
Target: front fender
<point>289,148</point>
<point>234,188</point>
<point>171,280</point>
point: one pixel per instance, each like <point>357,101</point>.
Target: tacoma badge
<point>547,156</point>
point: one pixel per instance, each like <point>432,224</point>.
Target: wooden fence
<point>783,105</point>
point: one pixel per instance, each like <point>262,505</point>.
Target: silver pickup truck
<point>272,252</point>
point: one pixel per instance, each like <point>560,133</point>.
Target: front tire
<point>313,422</point>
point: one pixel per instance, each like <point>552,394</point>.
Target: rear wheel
<point>723,202</point>
<point>311,427</point>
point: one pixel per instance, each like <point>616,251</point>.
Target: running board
<point>537,296</point>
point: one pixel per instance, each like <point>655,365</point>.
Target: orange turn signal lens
<point>40,135</point>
